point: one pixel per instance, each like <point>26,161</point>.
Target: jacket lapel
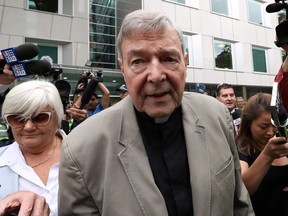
<point>136,165</point>
<point>199,165</point>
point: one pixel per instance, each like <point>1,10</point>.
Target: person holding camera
<point>264,167</point>
<point>94,105</point>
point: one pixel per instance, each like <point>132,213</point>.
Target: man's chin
<point>159,112</point>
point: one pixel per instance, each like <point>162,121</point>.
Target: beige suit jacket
<point>105,170</point>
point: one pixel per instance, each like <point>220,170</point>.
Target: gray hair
<point>31,97</point>
<point>146,22</point>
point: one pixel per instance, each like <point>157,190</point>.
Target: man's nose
<point>156,71</point>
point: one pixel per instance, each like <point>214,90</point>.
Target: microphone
<point>88,92</point>
<point>22,52</point>
<point>275,7</point>
<point>27,68</point>
<point>236,118</point>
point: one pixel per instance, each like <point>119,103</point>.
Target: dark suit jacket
<point>105,170</point>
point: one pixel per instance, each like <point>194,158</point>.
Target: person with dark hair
<point>225,94</point>
<point>264,166</point>
<point>95,106</point>
<point>77,114</point>
<point>159,151</point>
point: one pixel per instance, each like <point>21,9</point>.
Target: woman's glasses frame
<point>18,120</point>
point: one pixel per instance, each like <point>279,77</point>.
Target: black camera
<point>99,75</point>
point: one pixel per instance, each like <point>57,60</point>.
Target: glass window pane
<point>48,50</point>
<point>94,28</point>
<point>255,12</point>
<point>220,6</point>
<point>186,46</point>
<point>98,9</point>
<point>223,54</point>
<point>98,38</point>
<point>110,3</point>
<point>103,33</point>
<point>179,1</point>
<point>101,48</point>
<point>49,6</point>
<point>259,59</point>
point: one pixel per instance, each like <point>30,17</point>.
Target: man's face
<point>240,103</point>
<point>154,69</point>
<point>227,97</point>
<point>92,103</point>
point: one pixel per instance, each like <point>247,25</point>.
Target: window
<point>191,3</point>
<point>259,59</point>
<point>255,9</point>
<point>220,6</point>
<point>180,1</point>
<point>102,33</point>
<point>53,6</point>
<point>48,50</point>
<point>188,47</point>
<point>223,54</point>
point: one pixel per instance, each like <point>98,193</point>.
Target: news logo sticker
<point>19,70</point>
<point>10,55</point>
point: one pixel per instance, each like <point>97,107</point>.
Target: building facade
<point>228,41</point>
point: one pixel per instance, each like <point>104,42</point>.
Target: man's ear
<point>120,62</point>
<point>186,57</point>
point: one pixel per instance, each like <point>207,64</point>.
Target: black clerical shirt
<point>166,149</point>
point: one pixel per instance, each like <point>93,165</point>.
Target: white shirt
<point>29,180</point>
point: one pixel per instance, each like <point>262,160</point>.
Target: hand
<point>26,202</point>
<point>77,114</point>
<point>7,77</point>
<point>81,87</point>
<point>274,149</point>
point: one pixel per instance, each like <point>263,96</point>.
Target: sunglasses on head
<point>18,120</point>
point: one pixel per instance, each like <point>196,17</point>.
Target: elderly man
<point>159,151</point>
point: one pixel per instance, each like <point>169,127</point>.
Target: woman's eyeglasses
<point>17,120</point>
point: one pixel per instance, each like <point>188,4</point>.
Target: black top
<point>270,199</point>
<point>166,149</point>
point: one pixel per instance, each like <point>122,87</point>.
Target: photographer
<point>78,115</point>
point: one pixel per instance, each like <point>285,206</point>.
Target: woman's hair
<point>147,22</point>
<point>255,106</point>
<point>31,97</point>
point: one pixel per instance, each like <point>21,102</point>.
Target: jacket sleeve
<point>73,193</point>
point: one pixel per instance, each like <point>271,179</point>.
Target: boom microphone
<point>88,92</point>
<point>16,54</point>
<point>275,7</point>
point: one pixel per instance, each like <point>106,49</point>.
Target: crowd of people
<point>158,151</point>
